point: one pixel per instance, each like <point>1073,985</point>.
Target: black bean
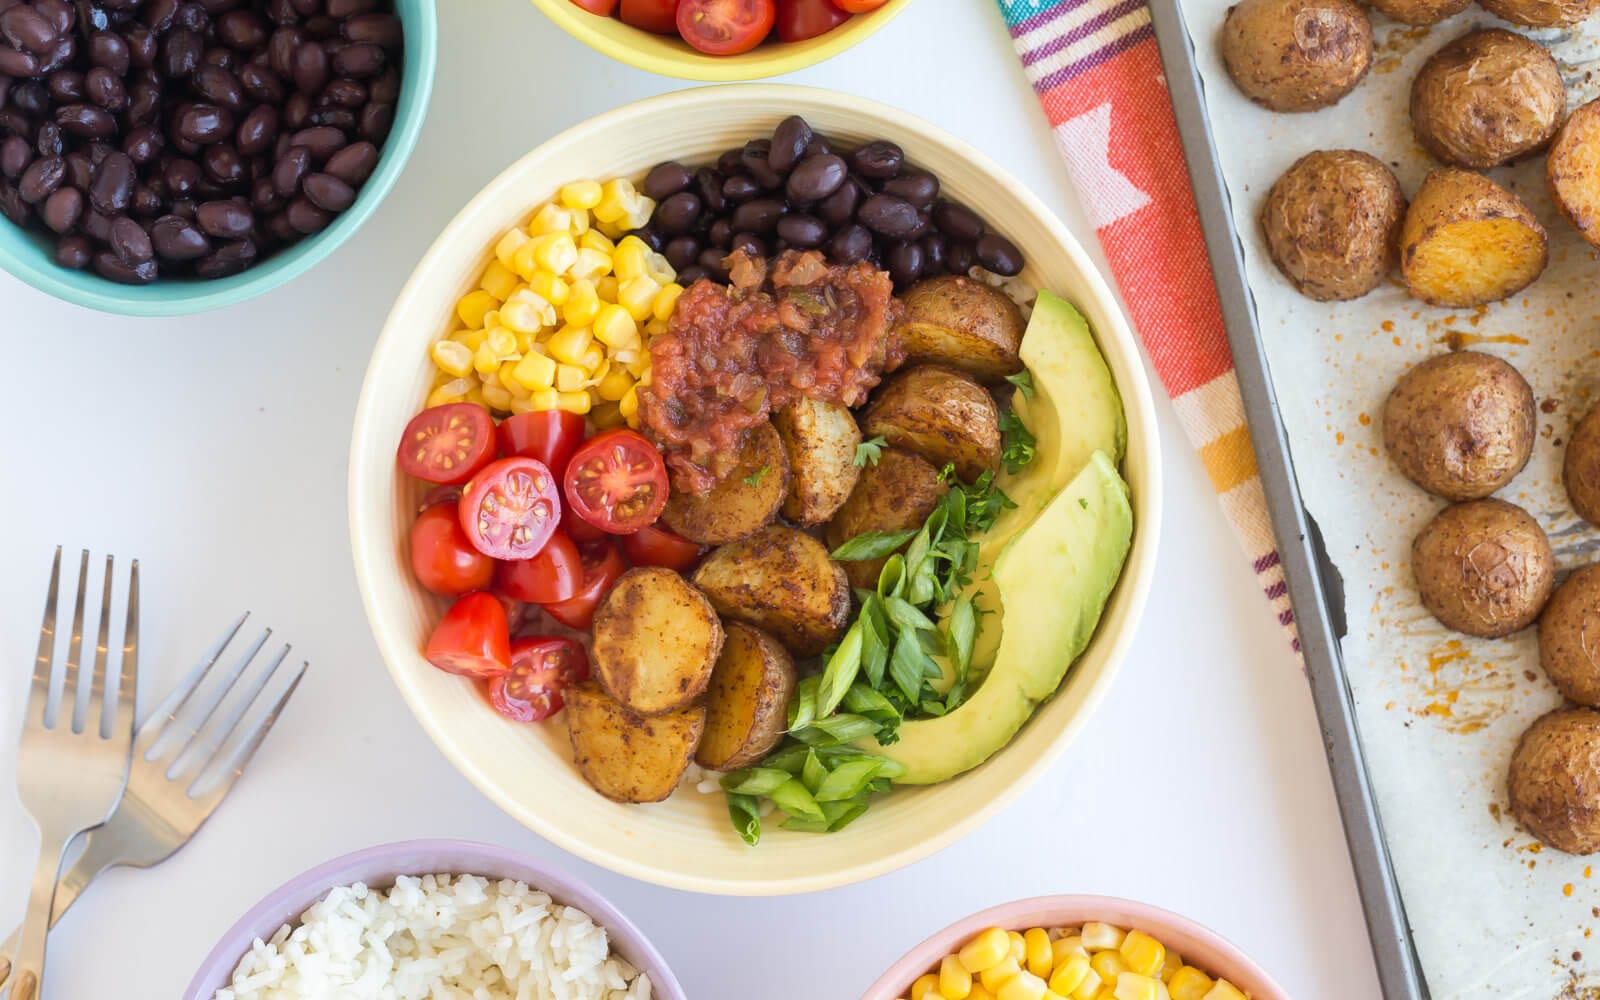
<point>15,155</point>
<point>146,201</point>
<point>933,254</point>
<point>130,242</point>
<point>62,210</point>
<point>328,193</point>
<point>920,189</point>
<point>180,53</point>
<point>112,187</point>
<point>750,243</point>
<point>264,197</point>
<point>285,42</point>
<point>109,50</point>
<point>957,221</point>
<point>258,131</point>
<point>818,147</point>
<point>839,208</point>
<point>878,160</point>
<point>755,162</point>
<point>731,162</point>
<point>342,119</point>
<point>98,151</point>
<point>74,252</point>
<point>721,233</point>
<point>651,238</point>
<point>666,179</point>
<point>41,178</point>
<point>789,142</point>
<point>690,275</point>
<point>311,68</point>
<point>225,219</point>
<point>759,216</point>
<point>144,100</point>
<point>159,15</point>
<point>290,169</point>
<point>296,110</point>
<point>184,208</point>
<point>282,12</point>
<point>923,227</point>
<point>27,29</point>
<point>59,13</point>
<point>354,163</point>
<point>360,60</point>
<point>708,184</point>
<point>320,141</point>
<point>194,17</point>
<point>888,215</point>
<point>905,262</point>
<point>230,258</point>
<point>110,267</point>
<point>202,124</point>
<point>379,29</point>
<point>711,262</point>
<point>11,204</point>
<point>48,141</point>
<point>850,244</point>
<point>65,86</point>
<point>14,62</point>
<point>740,188</point>
<point>386,88</point>
<point>307,218</point>
<point>678,214</point>
<point>219,86</point>
<point>260,83</point>
<point>376,120</point>
<point>816,178</point>
<point>144,47</point>
<point>31,96</point>
<point>105,89</point>
<point>345,93</point>
<point>182,176</point>
<point>804,232</point>
<point>682,252</point>
<point>223,164</point>
<point>243,29</point>
<point>960,257</point>
<point>80,170</point>
<point>999,255</point>
<point>176,238</point>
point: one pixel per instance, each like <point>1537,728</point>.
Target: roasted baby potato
<point>1483,567</point>
<point>1468,241</point>
<point>1541,13</point>
<point>1332,223</point>
<point>1572,171</point>
<point>749,497</point>
<point>820,441</point>
<point>747,705</point>
<point>1581,469</point>
<point>1567,645</point>
<point>1460,425</point>
<point>940,414</point>
<point>1420,12</point>
<point>781,580</point>
<point>656,639</point>
<point>953,320</point>
<point>1555,780</point>
<point>896,494</point>
<point>1296,55</point>
<point>629,757</point>
<point>1487,98</point>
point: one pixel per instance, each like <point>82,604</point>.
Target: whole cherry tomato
<point>799,20</point>
<point>447,444</point>
<point>657,546</point>
<point>542,667</point>
<point>602,564</point>
<point>555,574</point>
<point>659,16</point>
<point>860,6</point>
<point>472,639</point>
<point>601,7</point>
<point>551,436</point>
<point>442,558</point>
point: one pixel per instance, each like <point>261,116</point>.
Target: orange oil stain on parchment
<point>1393,47</point>
<point>1459,691</point>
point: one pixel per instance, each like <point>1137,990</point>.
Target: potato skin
<point>1460,425</point>
<point>781,580</point>
<point>1554,780</point>
<point>628,757</point>
<point>1580,470</point>
<point>1467,241</point>
<point>1296,55</point>
<point>747,704</point>
<point>1420,12</point>
<point>1541,13</point>
<point>897,494</point>
<point>1569,637</point>
<point>953,320</point>
<point>1483,567</point>
<point>734,508</point>
<point>1572,171</point>
<point>1487,98</point>
<point>1332,223</point>
<point>940,414</point>
<point>820,440</point>
<point>656,640</point>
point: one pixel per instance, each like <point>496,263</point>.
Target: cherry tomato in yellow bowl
<point>721,41</point>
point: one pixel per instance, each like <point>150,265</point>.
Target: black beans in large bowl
<point>678,214</point>
<point>788,144</point>
<point>815,178</point>
<point>877,160</point>
<point>666,179</point>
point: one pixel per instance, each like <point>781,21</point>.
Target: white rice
<point>437,937</point>
<point>1019,291</point>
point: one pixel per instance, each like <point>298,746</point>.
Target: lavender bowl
<point>379,866</point>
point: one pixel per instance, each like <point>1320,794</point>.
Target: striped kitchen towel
<point>1097,71</point>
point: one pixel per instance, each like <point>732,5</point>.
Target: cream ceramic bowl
<point>688,842</point>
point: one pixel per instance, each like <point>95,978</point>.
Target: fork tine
<point>69,687</point>
<point>39,696</point>
<point>242,756</point>
<point>224,689</point>
<point>128,681</point>
<point>216,736</point>
<point>156,724</point>
<point>95,720</point>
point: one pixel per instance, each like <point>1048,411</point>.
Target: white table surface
<point>214,449</point>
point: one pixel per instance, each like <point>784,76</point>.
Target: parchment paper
<point>1493,914</point>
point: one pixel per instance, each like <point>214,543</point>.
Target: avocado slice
<point>1054,578</point>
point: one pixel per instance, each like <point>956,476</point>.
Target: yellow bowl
<point>687,842</point>
<point>674,57</point>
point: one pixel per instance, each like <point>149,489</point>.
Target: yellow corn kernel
<point>548,287</point>
<point>474,306</point>
<point>607,288</point>
<point>1099,937</point>
<point>536,372</point>
<point>924,986</point>
<point>451,392</point>
<point>1019,946</point>
<point>591,265</point>
<point>996,975</point>
<point>507,376</point>
<point>1063,948</point>
<point>1022,986</point>
<point>569,343</point>
<point>526,311</point>
<point>628,406</point>
<point>1133,986</point>
<point>1036,945</point>
<point>594,362</point>
<point>475,395</point>
<point>1088,987</point>
<point>631,257</point>
<point>638,296</point>
<point>1189,983</point>
<point>485,360</point>
<point>452,357</point>
<point>497,397</point>
<point>574,402</point>
<point>554,252</point>
<point>583,302</point>
<point>637,213</point>
<point>614,196</point>
<point>525,342</point>
<point>658,267</point>
<point>980,992</point>
<point>474,339</point>
<point>581,195</point>
<point>1224,990</point>
<point>1069,974</point>
<point>613,326</point>
<point>546,399</point>
<point>502,342</point>
<point>1109,964</point>
<point>955,982</point>
<point>498,280</point>
<point>1171,962</point>
<point>522,404</point>
<point>523,261</point>
<point>666,301</point>
<point>569,378</point>
<point>606,416</point>
<point>505,251</point>
<point>615,230</point>
<point>1143,953</point>
<point>615,384</point>
<point>551,218</point>
<point>597,242</point>
<point>989,948</point>
<point>1106,993</point>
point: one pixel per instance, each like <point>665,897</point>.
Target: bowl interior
<point>1201,948</point>
<point>688,841</point>
<point>30,255</point>
<point>378,867</point>
<point>672,56</point>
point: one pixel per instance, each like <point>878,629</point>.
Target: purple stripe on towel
<point>1143,33</point>
<point>1082,31</point>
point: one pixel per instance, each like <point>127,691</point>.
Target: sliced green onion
<point>846,780</point>
<point>843,666</point>
<point>754,780</point>
<point>793,798</point>
<point>745,811</point>
<point>812,773</point>
<point>872,545</point>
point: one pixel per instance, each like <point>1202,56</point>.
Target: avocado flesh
<point>1053,579</point>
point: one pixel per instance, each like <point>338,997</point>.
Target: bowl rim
<point>1038,911</point>
<point>564,888</point>
<point>190,297</point>
<point>1137,577</point>
<point>700,67</point>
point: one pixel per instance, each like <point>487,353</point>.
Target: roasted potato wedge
<point>1542,13</point>
<point>747,705</point>
<point>1420,12</point>
<point>629,757</point>
<point>1332,222</point>
<point>748,498</point>
<point>953,320</point>
<point>1573,171</point>
<point>656,640</point>
<point>781,580</point>
<point>820,441</point>
<point>940,414</point>
<point>1296,55</point>
<point>1487,98</point>
<point>1468,241</point>
<point>897,494</point>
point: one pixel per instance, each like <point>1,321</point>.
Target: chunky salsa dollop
<point>795,327</point>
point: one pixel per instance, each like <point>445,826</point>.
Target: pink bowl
<point>1199,947</point>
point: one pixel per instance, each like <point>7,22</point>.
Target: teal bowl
<point>29,254</point>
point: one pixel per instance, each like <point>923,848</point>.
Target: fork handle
<point>28,971</point>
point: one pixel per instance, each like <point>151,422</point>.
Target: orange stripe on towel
<point>1229,460</point>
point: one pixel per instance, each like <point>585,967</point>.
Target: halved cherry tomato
<point>542,667</point>
<point>657,546</point>
<point>551,436</point>
<point>442,557</point>
<point>799,20</point>
<point>447,444</point>
<point>578,529</point>
<point>601,7</point>
<point>659,16</point>
<point>860,6</point>
<point>617,482</point>
<point>602,564</point>
<point>555,574</point>
<point>472,639</point>
<point>511,508</point>
<point>725,27</point>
